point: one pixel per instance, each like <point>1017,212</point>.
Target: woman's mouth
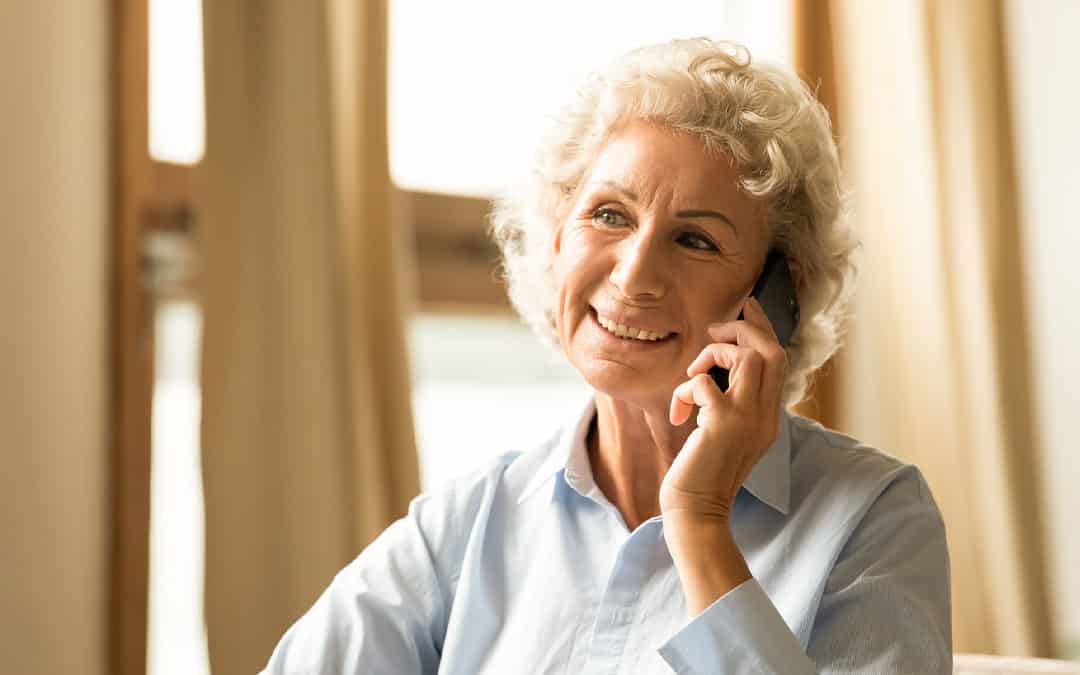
<point>630,333</point>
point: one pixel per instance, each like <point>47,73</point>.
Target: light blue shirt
<point>524,566</point>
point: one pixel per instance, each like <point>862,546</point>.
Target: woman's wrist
<point>706,557</point>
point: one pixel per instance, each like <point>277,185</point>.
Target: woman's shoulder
<point>830,466</point>
<point>507,473</point>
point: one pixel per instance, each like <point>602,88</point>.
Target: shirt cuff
<point>742,632</point>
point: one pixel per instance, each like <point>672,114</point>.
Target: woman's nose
<point>639,269</point>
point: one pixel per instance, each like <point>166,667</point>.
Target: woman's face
<point>658,238</point>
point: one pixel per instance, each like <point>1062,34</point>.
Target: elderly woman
<point>680,522</point>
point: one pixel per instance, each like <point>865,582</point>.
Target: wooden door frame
<point>132,345</point>
<point>456,260</point>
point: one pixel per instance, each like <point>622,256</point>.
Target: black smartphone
<point>775,290</point>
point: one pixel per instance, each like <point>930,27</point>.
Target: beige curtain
<point>307,433</point>
<point>937,366</point>
<point>814,63</point>
<point>55,379</point>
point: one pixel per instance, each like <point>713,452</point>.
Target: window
<point>177,119</point>
<point>176,643</point>
<point>483,386</point>
<point>471,81</point>
<point>470,85</point>
<point>158,496</point>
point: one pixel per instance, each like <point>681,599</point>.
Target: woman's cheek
<point>560,318</point>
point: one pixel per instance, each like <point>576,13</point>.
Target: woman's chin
<point>643,390</point>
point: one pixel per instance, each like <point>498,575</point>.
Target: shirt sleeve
<point>383,613</point>
<point>741,632</point>
<point>885,607</point>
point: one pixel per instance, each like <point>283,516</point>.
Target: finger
<point>746,332</point>
<point>754,314</point>
<point>756,332</point>
<point>745,382</point>
<point>720,354</point>
<point>699,390</point>
<point>745,365</point>
<point>776,358</point>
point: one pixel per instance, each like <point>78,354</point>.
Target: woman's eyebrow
<point>702,213</point>
<point>692,213</point>
<point>616,186</point>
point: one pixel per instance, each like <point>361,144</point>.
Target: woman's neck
<point>630,450</point>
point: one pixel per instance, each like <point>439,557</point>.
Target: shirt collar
<point>769,480</point>
<point>572,433</point>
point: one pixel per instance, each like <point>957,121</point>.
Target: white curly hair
<point>761,115</point>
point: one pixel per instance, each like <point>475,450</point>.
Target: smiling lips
<point>630,332</point>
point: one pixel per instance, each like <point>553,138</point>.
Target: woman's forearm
<point>706,556</point>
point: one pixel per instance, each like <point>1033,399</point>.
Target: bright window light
<point>176,637</point>
<point>483,386</point>
<point>177,118</point>
<point>471,81</point>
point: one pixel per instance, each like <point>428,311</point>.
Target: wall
<point>1044,57</point>
<point>53,344</point>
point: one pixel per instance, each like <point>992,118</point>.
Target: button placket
<point>620,603</point>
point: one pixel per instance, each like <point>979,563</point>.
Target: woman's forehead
<point>647,162</point>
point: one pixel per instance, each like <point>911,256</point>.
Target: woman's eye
<point>696,241</point>
<point>609,218</point>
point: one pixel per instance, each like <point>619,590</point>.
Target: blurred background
<point>250,308</point>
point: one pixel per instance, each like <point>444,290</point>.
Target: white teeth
<point>631,333</point>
